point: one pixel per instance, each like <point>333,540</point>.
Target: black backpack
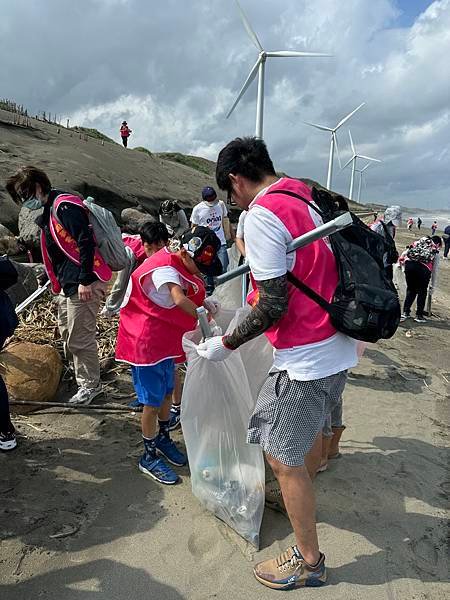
<point>8,317</point>
<point>392,254</point>
<point>365,305</point>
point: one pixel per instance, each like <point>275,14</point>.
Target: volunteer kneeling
<point>159,308</point>
<point>310,357</point>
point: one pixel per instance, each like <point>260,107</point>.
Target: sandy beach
<point>79,522</point>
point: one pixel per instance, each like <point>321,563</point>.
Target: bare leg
<point>148,421</point>
<point>299,498</point>
<point>176,396</point>
<point>164,411</point>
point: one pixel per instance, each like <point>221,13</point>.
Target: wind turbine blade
<point>322,127</point>
<point>351,143</point>
<point>345,119</point>
<point>364,168</point>
<point>293,53</point>
<point>347,163</point>
<point>337,149</point>
<point>249,29</point>
<point>248,81</point>
<point>368,158</point>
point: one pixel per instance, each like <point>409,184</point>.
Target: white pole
<point>260,101</point>
<point>359,186</point>
<point>352,179</point>
<point>330,162</point>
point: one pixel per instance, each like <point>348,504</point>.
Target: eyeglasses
<point>230,200</point>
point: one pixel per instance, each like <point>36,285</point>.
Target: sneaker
<point>167,447</point>
<point>274,497</point>
<point>289,570</point>
<point>8,441</point>
<point>420,319</point>
<point>174,419</point>
<point>404,317</point>
<point>85,395</point>
<point>135,404</point>
<point>158,469</point>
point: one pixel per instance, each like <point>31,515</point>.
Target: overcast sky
<point>172,69</point>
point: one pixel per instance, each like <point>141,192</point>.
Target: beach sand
<point>79,522</point>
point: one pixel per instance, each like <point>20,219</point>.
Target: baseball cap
<point>209,193</point>
<point>202,244</point>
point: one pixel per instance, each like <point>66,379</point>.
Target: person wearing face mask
<point>212,212</point>
<point>75,268</point>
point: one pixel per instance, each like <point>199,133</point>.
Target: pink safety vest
<point>68,245</point>
<point>305,321</point>
<point>135,244</point>
<point>149,333</point>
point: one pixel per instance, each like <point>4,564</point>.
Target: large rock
<point>5,232</point>
<point>29,232</point>
<point>31,372</point>
<point>26,284</point>
<point>9,212</point>
<point>133,218</point>
<point>9,245</point>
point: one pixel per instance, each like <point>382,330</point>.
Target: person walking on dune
<point>125,133</point>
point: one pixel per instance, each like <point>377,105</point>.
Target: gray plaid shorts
<point>289,414</point>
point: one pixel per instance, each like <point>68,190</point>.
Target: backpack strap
<point>294,195</point>
<point>312,295</point>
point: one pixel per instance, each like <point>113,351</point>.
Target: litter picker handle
<point>34,296</point>
<point>203,320</point>
<point>318,233</point>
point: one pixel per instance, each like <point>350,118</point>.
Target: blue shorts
<point>154,383</point>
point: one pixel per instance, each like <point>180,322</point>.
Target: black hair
<point>22,185</point>
<point>246,156</point>
<point>153,232</point>
<point>437,239</point>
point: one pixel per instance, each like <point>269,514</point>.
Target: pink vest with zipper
<point>149,333</point>
<point>68,245</point>
<point>305,321</point>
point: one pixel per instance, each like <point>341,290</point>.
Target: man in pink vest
<point>159,308</point>
<point>76,270</point>
<point>310,357</point>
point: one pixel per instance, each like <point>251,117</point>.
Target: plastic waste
<point>227,474</point>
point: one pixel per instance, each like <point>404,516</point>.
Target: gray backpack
<point>107,234</point>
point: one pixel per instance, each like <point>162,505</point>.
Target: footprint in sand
<point>426,554</point>
<point>203,543</point>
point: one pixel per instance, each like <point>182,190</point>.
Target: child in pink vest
<point>159,308</point>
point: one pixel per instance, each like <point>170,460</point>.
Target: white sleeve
<point>224,209</point>
<point>240,226</point>
<point>266,240</point>
<point>435,271</point>
<point>164,275</point>
<point>194,215</point>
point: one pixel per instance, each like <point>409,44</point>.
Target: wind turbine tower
<point>259,69</point>
<point>333,142</point>
<point>353,161</point>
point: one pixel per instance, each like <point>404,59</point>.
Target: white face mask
<point>211,202</point>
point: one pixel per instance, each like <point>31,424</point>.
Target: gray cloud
<point>173,68</point>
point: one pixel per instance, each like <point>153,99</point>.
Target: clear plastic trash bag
<point>230,293</point>
<point>227,474</point>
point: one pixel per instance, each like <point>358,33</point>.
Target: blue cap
<point>209,193</point>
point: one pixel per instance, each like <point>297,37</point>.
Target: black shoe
<point>7,441</point>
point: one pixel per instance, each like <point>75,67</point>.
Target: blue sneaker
<point>135,404</point>
<point>158,469</point>
<point>167,447</point>
<point>174,419</point>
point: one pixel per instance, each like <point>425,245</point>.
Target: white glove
<point>212,305</point>
<point>213,349</point>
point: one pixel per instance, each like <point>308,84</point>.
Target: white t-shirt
<point>266,239</point>
<point>240,225</point>
<point>156,288</point>
<point>211,216</point>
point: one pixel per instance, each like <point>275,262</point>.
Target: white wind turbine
<point>333,142</point>
<point>259,68</point>
<point>361,172</point>
<point>353,160</point>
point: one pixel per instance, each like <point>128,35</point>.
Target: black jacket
<point>75,220</point>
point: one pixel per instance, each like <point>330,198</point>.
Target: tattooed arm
<point>271,306</point>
